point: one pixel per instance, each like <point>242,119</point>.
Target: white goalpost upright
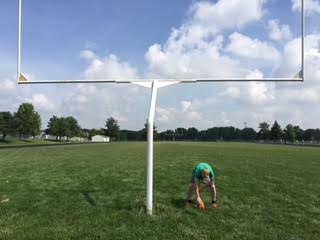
<point>154,85</point>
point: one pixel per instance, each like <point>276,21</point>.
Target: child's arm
<point>199,200</point>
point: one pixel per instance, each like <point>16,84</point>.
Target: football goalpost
<point>154,85</point>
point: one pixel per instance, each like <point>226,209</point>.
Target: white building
<point>49,137</point>
<point>100,138</point>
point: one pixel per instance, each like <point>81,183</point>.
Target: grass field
<point>15,142</point>
<point>98,192</point>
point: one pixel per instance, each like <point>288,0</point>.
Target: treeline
<point>26,122</point>
<point>265,133</point>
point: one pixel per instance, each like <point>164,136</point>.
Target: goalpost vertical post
<point>303,32</point>
<point>19,40</point>
<point>152,109</point>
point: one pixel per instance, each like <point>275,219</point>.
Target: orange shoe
<point>215,205</point>
<point>201,206</point>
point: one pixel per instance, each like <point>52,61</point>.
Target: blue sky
<point>99,39</point>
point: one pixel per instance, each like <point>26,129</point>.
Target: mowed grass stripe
<point>98,192</point>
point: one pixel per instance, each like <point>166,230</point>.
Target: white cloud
<point>195,49</point>
<point>193,116</point>
<point>244,46</point>
<point>291,59</point>
<point>165,116</point>
<point>187,114</point>
<point>7,85</point>
<point>110,67</point>
<point>42,102</point>
<point>277,32</point>
<point>311,6</point>
<point>185,105</point>
<point>88,54</point>
<point>231,92</point>
<point>260,92</point>
<point>226,14</point>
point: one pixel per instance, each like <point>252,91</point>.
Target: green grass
<point>16,141</point>
<point>98,192</point>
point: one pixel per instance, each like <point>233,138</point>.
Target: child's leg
<point>213,190</point>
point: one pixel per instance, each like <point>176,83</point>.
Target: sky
<point>99,39</point>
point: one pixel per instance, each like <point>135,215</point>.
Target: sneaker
<point>214,205</point>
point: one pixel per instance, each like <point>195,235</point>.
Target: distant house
<point>49,137</point>
<point>53,138</point>
<point>100,138</point>
<point>77,139</point>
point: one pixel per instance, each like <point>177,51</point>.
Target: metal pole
<point>19,39</point>
<point>150,148</point>
<point>303,31</point>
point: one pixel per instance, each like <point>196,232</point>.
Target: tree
<point>6,124</point>
<point>290,133</point>
<point>264,132</point>
<point>57,127</point>
<point>53,126</point>
<point>64,127</point>
<point>72,127</point>
<point>310,135</point>
<point>28,120</point>
<point>248,134</point>
<point>276,132</point>
<point>299,133</point>
<point>181,133</point>
<point>168,135</point>
<point>192,133</point>
<point>113,129</point>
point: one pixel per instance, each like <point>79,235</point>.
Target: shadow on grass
<point>178,203</point>
<point>88,198</point>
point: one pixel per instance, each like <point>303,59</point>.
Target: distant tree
<point>52,127</point>
<point>264,132</point>
<point>213,134</point>
<point>192,133</point>
<point>64,127</point>
<point>61,128</point>
<point>123,136</point>
<point>72,127</point>
<point>36,126</point>
<point>276,132</point>
<point>299,133</point>
<point>229,133</point>
<point>290,133</point>
<point>129,135</point>
<point>310,135</point>
<point>317,135</point>
<point>28,120</point>
<point>248,134</point>
<point>84,133</point>
<point>6,124</point>
<point>181,133</point>
<point>168,135</point>
<point>112,128</point>
<point>203,135</point>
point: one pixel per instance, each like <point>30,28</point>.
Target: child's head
<point>205,173</point>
